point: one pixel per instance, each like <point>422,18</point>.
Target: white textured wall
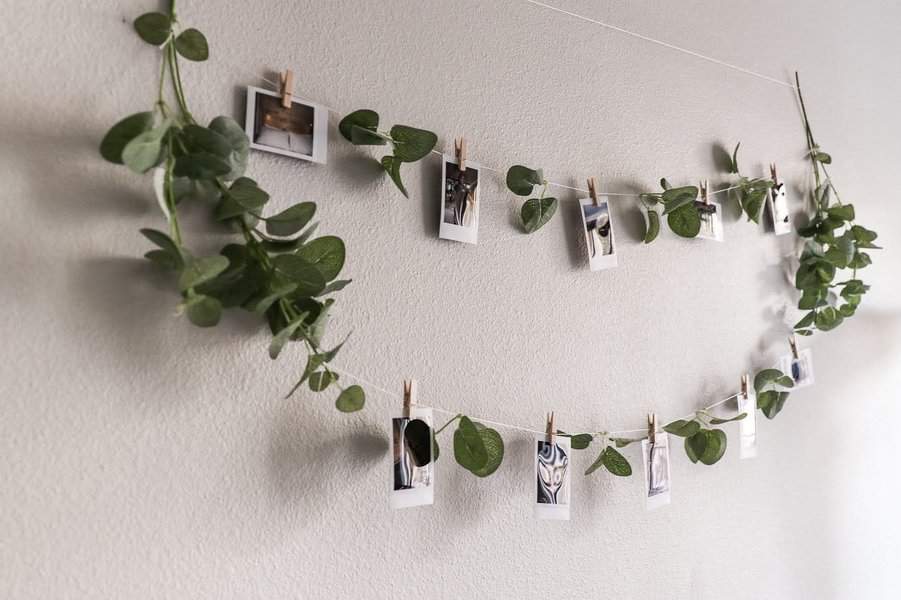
<point>144,458</point>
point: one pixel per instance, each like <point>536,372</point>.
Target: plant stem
<point>443,427</point>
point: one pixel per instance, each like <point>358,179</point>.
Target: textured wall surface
<point>144,458</point>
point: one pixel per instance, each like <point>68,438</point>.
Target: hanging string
<point>399,398</point>
<point>645,38</point>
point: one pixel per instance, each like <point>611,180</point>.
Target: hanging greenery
<point>535,212</point>
<point>834,244</point>
<point>279,271</point>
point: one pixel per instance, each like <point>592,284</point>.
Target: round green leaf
<point>292,220</point>
<point>246,193</point>
<point>536,213</point>
<point>144,151</point>
<point>766,377</point>
<point>351,399</point>
<point>363,119</point>
<point>153,27</point>
<point>653,223</point>
<point>202,139</point>
<point>695,446</point>
<point>201,269</point>
<point>237,140</point>
<point>580,441</point>
<point>521,180</point>
<point>615,462</point>
<point>469,446</point>
<point>121,133</point>
<point>321,380</point>
<point>192,44</point>
<point>326,254</point>
<point>411,144</point>
<point>203,311</point>
<point>715,447</point>
<point>685,221</point>
<point>494,448</point>
<point>307,277</point>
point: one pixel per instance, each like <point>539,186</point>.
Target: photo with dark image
<point>781,217</point>
<point>412,440</point>
<point>553,470</point>
<point>460,195</point>
<point>709,218</point>
<point>290,129</point>
<point>597,226</point>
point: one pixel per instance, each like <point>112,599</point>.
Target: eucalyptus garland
<point>286,277</point>
<point>278,272</point>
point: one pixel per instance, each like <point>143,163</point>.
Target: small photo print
<point>799,369</point>
<point>300,131</point>
<point>711,220</point>
<point>778,207</point>
<point>747,427</point>
<point>656,471</point>
<point>598,229</point>
<point>459,201</point>
<point>413,470</point>
<point>552,478</point>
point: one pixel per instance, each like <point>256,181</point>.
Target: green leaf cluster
<point>770,386</point>
<point>703,443</point>
<point>535,212</point>
<point>408,144</point>
<point>478,449</point>
<point>834,244</point>
<point>679,207</point>
<point>750,193</point>
<point>275,268</point>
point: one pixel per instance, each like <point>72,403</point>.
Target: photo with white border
<point>777,204</point>
<point>551,477</point>
<point>655,458</point>
<point>300,131</point>
<point>598,227</point>
<point>799,369</point>
<point>747,427</point>
<point>459,201</point>
<point>711,214</point>
<point>412,469</point>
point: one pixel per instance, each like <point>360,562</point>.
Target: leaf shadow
<point>430,194</point>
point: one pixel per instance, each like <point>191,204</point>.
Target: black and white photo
<point>598,228</point>
<point>711,220</point>
<point>552,478</point>
<point>459,201</point>
<point>413,470</point>
<point>777,204</point>
<point>800,369</point>
<point>655,457</point>
<point>299,131</point>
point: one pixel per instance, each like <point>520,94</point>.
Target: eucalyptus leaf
<point>307,277</point>
<point>721,421</point>
<point>653,226</point>
<point>537,212</point>
<point>682,428</point>
<point>199,270</point>
<point>201,165</point>
<point>469,447</point>
<point>615,462</point>
<point>192,44</point>
<point>290,221</point>
<point>412,144</point>
<point>352,399</point>
<point>282,337</point>
<point>715,447</point>
<point>685,221</point>
<point>326,254</point>
<point>522,180</point>
<point>494,449</point>
<point>122,133</point>
<point>392,164</point>
<point>203,311</point>
<point>320,380</point>
<point>154,28</point>
<point>363,119</point>
<point>237,140</point>
<point>580,441</point>
<point>144,151</point>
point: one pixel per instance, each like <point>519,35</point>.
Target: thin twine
<point>664,44</point>
<point>399,397</point>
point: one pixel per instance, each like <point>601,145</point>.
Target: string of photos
<point>275,266</point>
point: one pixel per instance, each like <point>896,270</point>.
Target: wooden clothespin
<point>409,396</point>
<point>652,428</point>
<point>793,342</point>
<point>745,385</point>
<point>460,150</point>
<point>773,173</point>
<point>592,190</point>
<point>551,429</point>
<point>705,185</point>
<point>287,82</point>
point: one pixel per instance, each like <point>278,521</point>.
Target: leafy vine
<point>280,274</point>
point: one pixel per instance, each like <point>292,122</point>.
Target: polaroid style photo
<point>598,229</point>
<point>656,471</point>
<point>711,220</point>
<point>747,427</point>
<point>777,205</point>
<point>459,201</point>
<point>799,369</point>
<point>413,470</point>
<point>300,131</point>
<point>552,478</point>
